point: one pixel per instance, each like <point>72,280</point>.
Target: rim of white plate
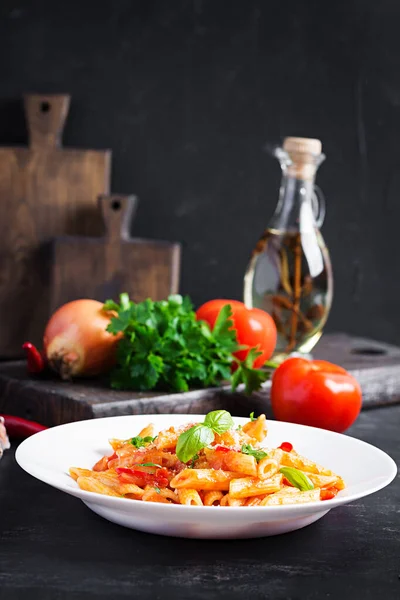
<point>115,502</point>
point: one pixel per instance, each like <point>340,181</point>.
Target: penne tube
<point>291,498</point>
<point>212,497</point>
<point>189,497</point>
<point>267,467</point>
<point>277,455</point>
<point>292,459</point>
<point>231,461</point>
<point>169,494</point>
<point>256,429</point>
<point>250,486</point>
<point>326,481</point>
<point>203,479</point>
<point>131,489</point>
<point>148,431</point>
<point>76,472</point>
<point>224,500</point>
<point>254,500</point>
<point>236,501</point>
<point>241,463</point>
<point>89,484</point>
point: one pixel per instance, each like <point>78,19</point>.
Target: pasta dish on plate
<point>213,463</point>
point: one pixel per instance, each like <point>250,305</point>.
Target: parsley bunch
<point>165,347</point>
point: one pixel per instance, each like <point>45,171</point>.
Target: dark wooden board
<point>52,402</point>
<point>102,268</point>
<point>45,190</point>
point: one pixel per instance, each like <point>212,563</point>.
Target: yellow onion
<point>76,342</point>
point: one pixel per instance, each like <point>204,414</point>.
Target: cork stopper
<point>304,154</point>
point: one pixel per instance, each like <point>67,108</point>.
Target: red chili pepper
<point>286,447</point>
<point>34,358</point>
<point>328,494</point>
<point>21,428</point>
<point>222,449</point>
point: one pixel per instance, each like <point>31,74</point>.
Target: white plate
<point>49,454</point>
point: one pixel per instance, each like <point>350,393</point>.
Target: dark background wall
<point>189,93</point>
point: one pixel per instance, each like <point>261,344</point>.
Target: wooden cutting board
<point>102,268</point>
<point>45,190</point>
<point>53,402</point>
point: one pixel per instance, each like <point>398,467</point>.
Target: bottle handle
<point>319,206</point>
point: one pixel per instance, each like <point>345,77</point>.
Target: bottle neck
<point>295,200</point>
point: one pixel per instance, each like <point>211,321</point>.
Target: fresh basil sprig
<point>297,478</point>
<point>199,436</point>
<point>256,452</point>
<point>219,421</point>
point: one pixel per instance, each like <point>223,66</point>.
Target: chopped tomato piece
<point>140,478</point>
<point>328,494</point>
<point>222,449</point>
<point>286,447</point>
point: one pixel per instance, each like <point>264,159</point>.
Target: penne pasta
<point>190,497</point>
<point>90,484</point>
<point>203,479</point>
<point>230,469</point>
<point>256,429</point>
<point>292,498</point>
<point>148,431</point>
<point>266,468</point>
<point>212,498</point>
<point>292,459</point>
<point>251,486</point>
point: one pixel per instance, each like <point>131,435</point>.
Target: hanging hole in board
<point>45,106</point>
<point>116,205</point>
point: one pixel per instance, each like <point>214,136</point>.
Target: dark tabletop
<point>53,547</point>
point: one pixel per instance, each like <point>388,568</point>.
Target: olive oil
<point>289,274</point>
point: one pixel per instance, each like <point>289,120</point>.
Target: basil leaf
<point>157,489</point>
<point>252,417</point>
<point>149,464</point>
<point>219,421</point>
<point>191,441</point>
<point>297,478</point>
<point>139,442</point>
<point>256,452</point>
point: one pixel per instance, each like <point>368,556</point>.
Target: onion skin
<point>76,342</point>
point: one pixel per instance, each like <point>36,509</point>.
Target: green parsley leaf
<point>219,421</point>
<point>139,442</point>
<point>245,373</point>
<point>148,464</point>
<point>223,329</point>
<point>239,428</point>
<point>256,452</point>
<point>252,417</point>
<point>193,440</point>
<point>157,489</point>
<point>164,346</point>
<point>297,478</point>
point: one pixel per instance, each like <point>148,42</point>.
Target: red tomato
<point>316,393</point>
<point>254,327</point>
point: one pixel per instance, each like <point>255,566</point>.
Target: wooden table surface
<point>53,548</point>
